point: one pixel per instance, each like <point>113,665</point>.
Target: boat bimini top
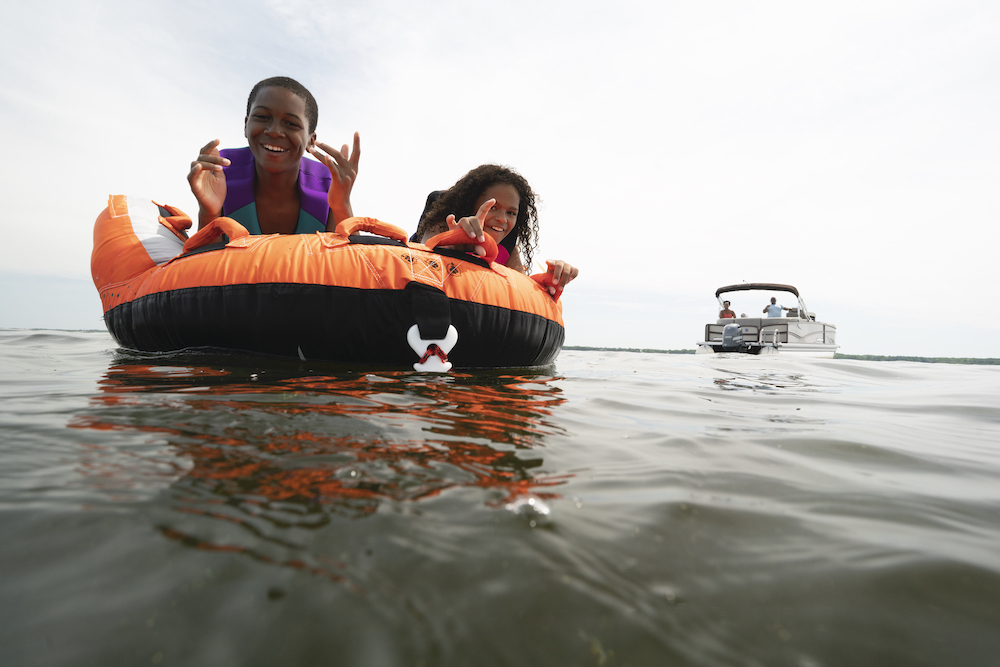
<point>745,287</point>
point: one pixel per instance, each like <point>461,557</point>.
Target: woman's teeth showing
<point>274,149</point>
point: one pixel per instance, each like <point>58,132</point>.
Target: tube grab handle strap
<point>545,280</point>
<point>213,231</point>
<point>354,225</point>
<point>178,222</point>
<point>459,236</point>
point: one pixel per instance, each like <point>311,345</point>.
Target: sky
<point>849,149</point>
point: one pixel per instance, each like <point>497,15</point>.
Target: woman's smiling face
<point>502,216</point>
<point>277,129</point>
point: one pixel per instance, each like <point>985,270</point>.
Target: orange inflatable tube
<point>344,296</point>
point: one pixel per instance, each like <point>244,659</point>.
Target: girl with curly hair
<point>498,201</point>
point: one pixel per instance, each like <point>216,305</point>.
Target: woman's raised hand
<point>343,167</point>
<point>208,182</point>
<point>474,225</point>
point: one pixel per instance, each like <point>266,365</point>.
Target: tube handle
<point>461,237</point>
<point>354,225</point>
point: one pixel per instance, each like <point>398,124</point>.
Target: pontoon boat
<point>796,332</point>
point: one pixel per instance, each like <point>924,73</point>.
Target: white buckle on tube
<point>432,363</point>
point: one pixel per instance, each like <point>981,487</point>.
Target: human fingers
<point>209,157</point>
<point>473,227</point>
<point>356,153</point>
<point>327,149</point>
<point>334,160</point>
<point>465,224</point>
<point>340,175</point>
<point>193,174</point>
<point>211,162</point>
<point>452,225</point>
<point>207,186</point>
<point>485,209</point>
<point>341,155</point>
<point>202,170</point>
<point>570,273</point>
<point>479,222</point>
<point>210,153</point>
<point>555,270</point>
<point>470,226</point>
<point>552,289</point>
<point>562,272</point>
<point>213,145</point>
<point>327,153</point>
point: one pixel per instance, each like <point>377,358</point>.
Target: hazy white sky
<point>850,149</point>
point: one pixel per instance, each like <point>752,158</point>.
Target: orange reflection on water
<point>278,439</point>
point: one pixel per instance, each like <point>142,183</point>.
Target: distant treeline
<point>926,360</point>
<point>861,357</point>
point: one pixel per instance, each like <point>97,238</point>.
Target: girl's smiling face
<point>277,129</point>
<point>500,219</point>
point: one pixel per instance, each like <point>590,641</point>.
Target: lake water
<point>612,509</point>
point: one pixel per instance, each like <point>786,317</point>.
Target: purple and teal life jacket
<point>314,183</point>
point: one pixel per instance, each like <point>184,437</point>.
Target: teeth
<point>275,149</point>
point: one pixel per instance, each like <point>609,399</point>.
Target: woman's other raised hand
<point>343,166</point>
<point>560,274</point>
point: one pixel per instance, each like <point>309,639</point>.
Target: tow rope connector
<point>433,353</point>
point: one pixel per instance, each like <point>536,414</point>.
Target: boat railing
<point>775,337</point>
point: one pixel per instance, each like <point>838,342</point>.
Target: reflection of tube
<point>284,440</point>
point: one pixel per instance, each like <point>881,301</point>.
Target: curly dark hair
<point>460,200</point>
<point>294,87</point>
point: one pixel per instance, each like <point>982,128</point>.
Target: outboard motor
<point>732,338</point>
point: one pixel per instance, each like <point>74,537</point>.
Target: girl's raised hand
<point>560,275</point>
<point>208,182</point>
<point>343,167</point>
<point>474,225</point>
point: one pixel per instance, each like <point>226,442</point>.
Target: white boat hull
<point>771,335</point>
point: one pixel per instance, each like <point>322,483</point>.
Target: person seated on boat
<point>498,201</point>
<point>269,187</point>
<point>774,309</point>
<point>725,312</point>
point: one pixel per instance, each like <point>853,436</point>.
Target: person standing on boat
<point>773,309</point>
<point>726,312</point>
